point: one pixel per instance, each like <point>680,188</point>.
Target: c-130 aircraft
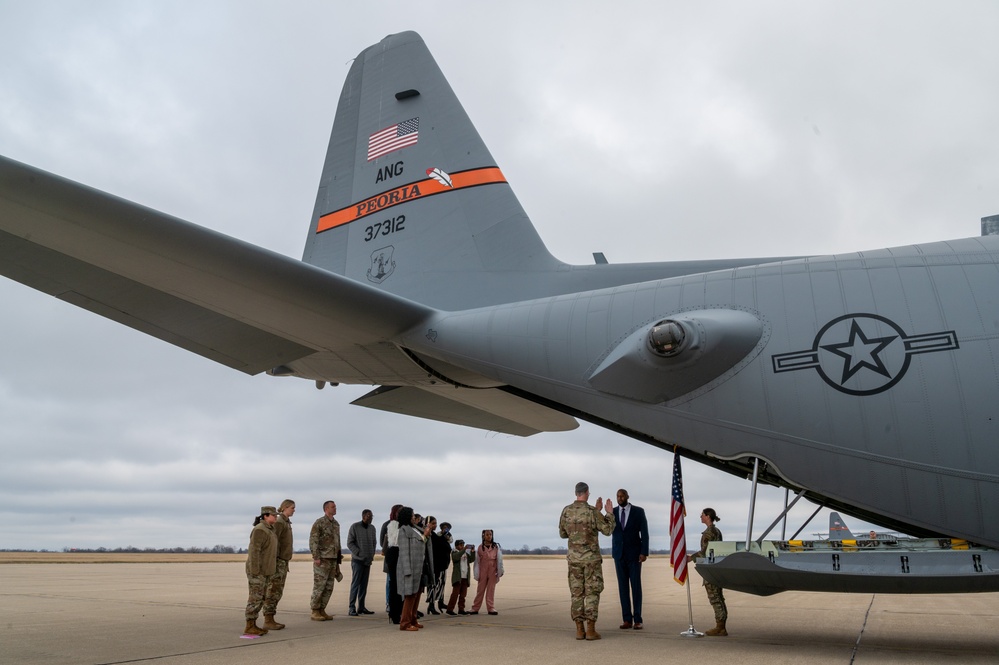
<point>866,382</point>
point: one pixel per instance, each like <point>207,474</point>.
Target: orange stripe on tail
<point>411,192</point>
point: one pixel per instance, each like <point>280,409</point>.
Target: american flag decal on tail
<point>396,137</point>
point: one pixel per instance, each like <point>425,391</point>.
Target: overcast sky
<point>645,130</point>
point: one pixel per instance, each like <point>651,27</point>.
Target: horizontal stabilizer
<point>491,409</point>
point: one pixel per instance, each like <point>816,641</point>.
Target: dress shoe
<point>625,626</point>
<point>462,612</point>
<point>450,613</point>
<point>494,613</point>
<point>419,615</point>
<point>475,612</point>
<point>638,626</point>
<point>365,611</point>
<point>352,613</point>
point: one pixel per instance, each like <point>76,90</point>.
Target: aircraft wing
<point>232,302</point>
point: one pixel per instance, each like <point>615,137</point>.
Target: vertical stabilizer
<point>838,529</point>
<point>410,199</point>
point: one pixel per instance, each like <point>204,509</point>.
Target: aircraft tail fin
<point>410,198</point>
<point>838,529</point>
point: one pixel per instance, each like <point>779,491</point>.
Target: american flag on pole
<point>396,137</point>
<point>677,537</point>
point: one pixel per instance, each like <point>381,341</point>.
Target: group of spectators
<point>417,557</point>
<point>416,554</point>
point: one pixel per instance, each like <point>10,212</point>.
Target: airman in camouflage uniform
<point>261,562</point>
<point>275,589</point>
<point>581,523</point>
<point>715,597</point>
<point>324,543</point>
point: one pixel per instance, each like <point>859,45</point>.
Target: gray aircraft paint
<point>868,379</point>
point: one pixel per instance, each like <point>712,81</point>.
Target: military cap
<point>268,510</point>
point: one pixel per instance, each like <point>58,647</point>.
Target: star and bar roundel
<point>863,354</point>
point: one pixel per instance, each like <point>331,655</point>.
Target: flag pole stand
<point>690,632</point>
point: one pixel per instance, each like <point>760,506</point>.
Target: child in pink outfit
<point>488,571</point>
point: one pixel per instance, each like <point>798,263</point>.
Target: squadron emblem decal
<point>382,264</point>
<point>863,354</point>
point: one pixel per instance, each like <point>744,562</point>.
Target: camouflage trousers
<point>258,589</point>
<point>717,601</point>
<point>323,577</point>
<point>275,588</point>
<point>586,581</point>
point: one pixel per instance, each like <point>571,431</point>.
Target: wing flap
<point>490,409</point>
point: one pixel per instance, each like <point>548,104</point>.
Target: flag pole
<point>678,540</point>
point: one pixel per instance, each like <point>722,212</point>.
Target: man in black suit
<point>630,548</point>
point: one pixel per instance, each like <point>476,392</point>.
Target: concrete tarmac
<point>192,613</point>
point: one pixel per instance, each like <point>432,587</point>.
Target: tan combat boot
<point>328,617</point>
<point>718,630</point>
<point>591,630</point>
<point>271,624</point>
<point>580,631</point>
<point>317,615</point>
<point>251,628</point>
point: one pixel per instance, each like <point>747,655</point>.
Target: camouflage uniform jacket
<point>261,556</point>
<point>282,529</point>
<point>581,523</point>
<point>324,540</point>
<point>710,534</point>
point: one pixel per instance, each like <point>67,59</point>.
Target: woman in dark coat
<point>441,550</point>
<point>390,550</point>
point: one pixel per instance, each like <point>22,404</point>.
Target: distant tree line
<point>227,549</point>
<point>217,549</point>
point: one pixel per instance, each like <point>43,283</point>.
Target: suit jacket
<point>633,539</point>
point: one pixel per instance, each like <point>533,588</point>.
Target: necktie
<point>624,517</point>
